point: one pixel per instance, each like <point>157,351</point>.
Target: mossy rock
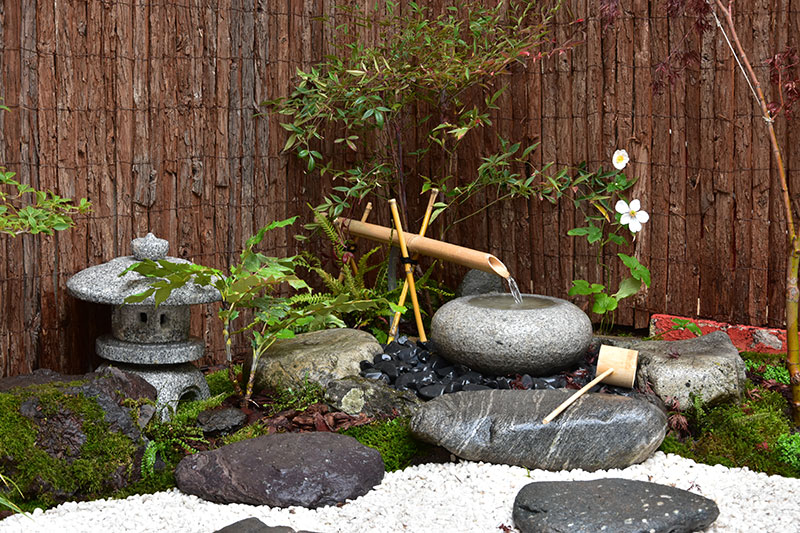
<point>71,439</point>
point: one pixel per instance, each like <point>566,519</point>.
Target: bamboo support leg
<point>425,221</point>
<point>409,273</point>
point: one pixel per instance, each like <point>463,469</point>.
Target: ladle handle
<point>569,401</point>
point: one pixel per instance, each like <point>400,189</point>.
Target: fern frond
<point>330,231</point>
<point>310,298</point>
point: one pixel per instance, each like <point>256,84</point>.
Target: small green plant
<point>679,324</point>
<point>598,190</point>
<point>178,434</point>
<point>769,372</point>
<point>789,449</point>
<point>27,210</point>
<point>251,285</point>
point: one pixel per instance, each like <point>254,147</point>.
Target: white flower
<point>632,215</point>
<point>620,159</point>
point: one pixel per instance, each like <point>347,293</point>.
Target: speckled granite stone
<point>102,283</point>
<point>538,342</point>
<point>148,325</point>
<point>165,353</point>
<point>172,383</point>
<point>610,505</point>
<point>149,247</point>
<point>598,432</point>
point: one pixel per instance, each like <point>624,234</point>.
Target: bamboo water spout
<point>426,246</point>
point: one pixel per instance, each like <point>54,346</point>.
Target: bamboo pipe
<point>425,221</point>
<point>425,246</point>
<point>409,274</point>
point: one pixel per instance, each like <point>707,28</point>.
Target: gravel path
<point>457,497</point>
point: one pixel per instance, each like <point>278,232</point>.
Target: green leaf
<point>638,270</point>
<point>582,287</point>
<point>576,232</point>
<point>628,287</point>
<point>137,298</point>
<point>616,239</point>
<point>603,303</point>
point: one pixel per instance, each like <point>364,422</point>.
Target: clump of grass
<point>392,438</point>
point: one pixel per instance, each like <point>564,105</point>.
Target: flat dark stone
<point>221,421</point>
<point>610,505</point>
<point>307,469</point>
<point>254,525</point>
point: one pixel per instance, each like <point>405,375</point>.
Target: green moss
<point>392,438</point>
<point>102,453</point>
<point>218,382</point>
<point>776,359</point>
<point>739,435</point>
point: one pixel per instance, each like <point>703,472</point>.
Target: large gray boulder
<point>355,395</point>
<point>611,504</point>
<point>491,333</point>
<point>707,367</point>
<point>282,470</point>
<point>319,356</point>
<point>599,431</point>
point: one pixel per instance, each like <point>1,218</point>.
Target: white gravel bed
<point>457,497</point>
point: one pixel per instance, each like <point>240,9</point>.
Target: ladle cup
<point>615,366</point>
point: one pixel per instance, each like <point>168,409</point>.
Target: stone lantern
<point>151,342</point>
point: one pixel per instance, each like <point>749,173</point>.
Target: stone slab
<point>161,353</point>
<point>610,505</point>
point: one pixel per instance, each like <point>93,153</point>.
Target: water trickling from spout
<point>512,286</point>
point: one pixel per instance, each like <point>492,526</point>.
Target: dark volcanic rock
<point>221,421</point>
<point>254,525</point>
<point>84,425</point>
<point>599,431</point>
<point>281,470</point>
<point>613,505</point>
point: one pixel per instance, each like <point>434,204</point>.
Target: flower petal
<point>620,159</point>
<point>634,225</point>
<point>626,218</point>
<point>642,216</point>
<point>635,205</point>
<point>622,207</point>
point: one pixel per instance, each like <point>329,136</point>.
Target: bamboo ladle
<point>615,366</point>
